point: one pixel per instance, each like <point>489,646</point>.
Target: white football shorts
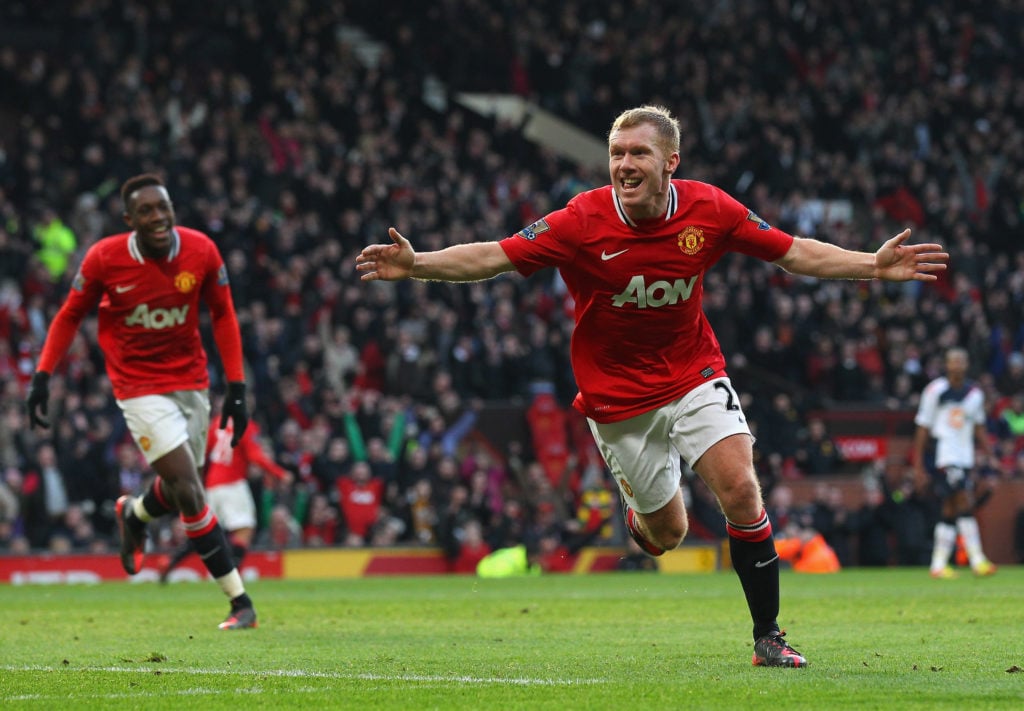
<point>159,423</point>
<point>233,505</point>
<point>643,452</point>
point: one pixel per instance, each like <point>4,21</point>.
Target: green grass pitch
<point>881,639</point>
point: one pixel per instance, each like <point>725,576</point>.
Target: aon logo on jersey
<point>657,294</point>
<point>156,319</point>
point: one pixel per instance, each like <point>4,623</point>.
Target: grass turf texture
<point>882,639</point>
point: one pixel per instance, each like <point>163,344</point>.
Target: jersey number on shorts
<point>730,395</point>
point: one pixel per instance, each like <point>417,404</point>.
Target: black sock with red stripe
<point>752,548</point>
<point>211,544</point>
<point>155,500</point>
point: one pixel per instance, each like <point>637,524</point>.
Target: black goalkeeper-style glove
<point>38,400</point>
<point>234,407</point>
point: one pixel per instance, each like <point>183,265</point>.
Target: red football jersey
<point>641,339</point>
<point>360,502</point>
<point>149,314</point>
<point>228,465</point>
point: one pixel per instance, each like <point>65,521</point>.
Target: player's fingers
<point>930,247</point>
<point>932,258</point>
<point>368,253</point>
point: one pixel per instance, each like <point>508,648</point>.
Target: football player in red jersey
<point>148,284</point>
<point>651,375</point>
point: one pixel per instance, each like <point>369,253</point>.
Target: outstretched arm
<point>894,260</point>
<point>462,262</point>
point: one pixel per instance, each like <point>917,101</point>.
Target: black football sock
<point>241,602</point>
<point>155,501</point>
<point>208,538</point>
<point>752,548</point>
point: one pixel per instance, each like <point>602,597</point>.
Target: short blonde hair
<point>666,125</point>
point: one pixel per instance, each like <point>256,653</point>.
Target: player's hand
<point>234,407</point>
<point>387,262</point>
<point>38,400</point>
<point>895,261</point>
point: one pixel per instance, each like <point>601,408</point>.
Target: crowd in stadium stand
<point>293,150</point>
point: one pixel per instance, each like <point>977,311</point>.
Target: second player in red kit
<point>148,285</point>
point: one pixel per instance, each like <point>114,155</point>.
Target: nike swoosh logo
<point>763,563</point>
<point>605,256</point>
<point>122,289</point>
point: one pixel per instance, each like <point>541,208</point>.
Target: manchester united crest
<point>691,240</point>
<point>185,282</point>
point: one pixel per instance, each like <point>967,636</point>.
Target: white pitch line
<point>302,674</point>
<point>141,695</point>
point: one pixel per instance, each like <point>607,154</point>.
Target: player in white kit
<point>952,413</point>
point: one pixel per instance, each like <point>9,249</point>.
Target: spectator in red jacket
<point>359,497</point>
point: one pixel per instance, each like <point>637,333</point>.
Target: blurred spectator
<point>829,515</point>
<point>55,494</point>
<point>781,509</point>
<point>79,532</point>
<point>780,429</point>
<point>381,460</point>
<point>422,512</point>
<point>912,519</point>
<point>32,527</point>
<point>321,526</point>
<point>816,452</point>
<point>10,512</point>
<point>1011,420</point>
<point>1011,380</point>
<point>485,475</point>
<point>597,506</point>
<point>359,496</point>
<point>56,243</point>
<point>283,531</point>
<point>330,465</point>
<point>472,548</point>
<point>873,525</point>
<point>388,529</point>
<point>806,550</point>
<point>509,527</point>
